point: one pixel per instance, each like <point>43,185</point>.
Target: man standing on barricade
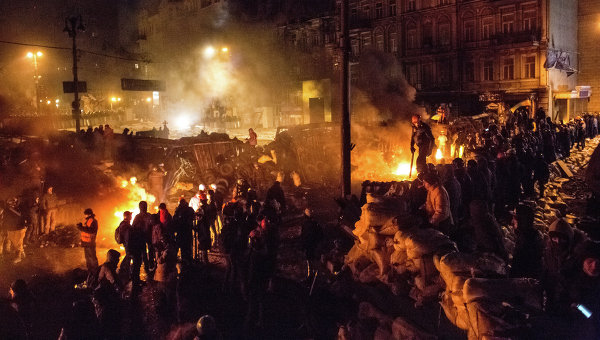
<point>89,230</point>
<point>423,138</point>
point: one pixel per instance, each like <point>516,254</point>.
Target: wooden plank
<point>564,168</point>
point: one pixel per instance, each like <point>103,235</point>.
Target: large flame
<point>133,194</point>
<point>403,170</point>
<point>438,155</point>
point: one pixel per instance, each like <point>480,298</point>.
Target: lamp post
<point>36,78</point>
<point>72,25</point>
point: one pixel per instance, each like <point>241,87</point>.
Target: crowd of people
<point>509,166</point>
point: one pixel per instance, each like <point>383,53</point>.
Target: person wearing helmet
<point>206,329</point>
<point>89,230</point>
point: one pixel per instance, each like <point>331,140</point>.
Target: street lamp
<point>36,78</point>
<point>72,25</point>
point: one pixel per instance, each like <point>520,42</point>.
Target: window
<point>411,74</point>
<point>469,32</point>
<point>427,73</point>
<point>508,69</point>
<point>428,34</point>
<point>529,67</point>
<point>411,5</point>
<point>393,8</point>
<point>445,70</point>
<point>508,23</point>
<point>367,12</point>
<point>136,66</point>
<point>353,15</point>
<point>469,71</point>
<point>379,41</point>
<point>366,40</point>
<point>355,47</point>
<point>487,28</point>
<point>488,70</point>
<point>444,32</point>
<point>444,2</point>
<point>411,36</point>
<point>379,10</point>
<point>393,42</point>
<point>529,20</point>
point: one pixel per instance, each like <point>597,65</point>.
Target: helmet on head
<point>88,211</point>
<point>206,325</point>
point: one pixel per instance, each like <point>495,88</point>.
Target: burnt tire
<point>226,170</point>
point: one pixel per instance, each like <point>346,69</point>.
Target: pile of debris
<point>64,236</point>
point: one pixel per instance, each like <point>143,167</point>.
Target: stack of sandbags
<point>455,269</point>
<point>421,246</point>
<point>498,307</point>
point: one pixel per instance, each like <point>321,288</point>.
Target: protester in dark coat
<point>142,226</point>
<point>485,231</point>
<point>466,186</point>
<point>137,242</point>
<point>275,192</point>
<point>452,186</point>
<point>311,236</point>
<point>423,139</point>
<point>122,237</point>
<point>183,221</point>
<point>527,256</point>
<point>541,173</point>
<point>22,301</point>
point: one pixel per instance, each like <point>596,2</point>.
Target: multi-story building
<point>589,53</point>
<point>477,55</point>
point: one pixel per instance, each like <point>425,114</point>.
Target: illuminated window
<point>508,69</point>
<point>529,67</point>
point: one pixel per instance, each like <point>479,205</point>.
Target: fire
<point>438,155</point>
<point>134,193</point>
<point>461,150</point>
<point>403,169</point>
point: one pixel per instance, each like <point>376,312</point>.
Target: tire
<point>226,170</point>
<point>222,182</point>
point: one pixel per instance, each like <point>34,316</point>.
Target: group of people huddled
<point>466,200</point>
<point>25,219</point>
<point>243,230</point>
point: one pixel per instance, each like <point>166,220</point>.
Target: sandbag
<point>372,240</point>
<point>382,259</point>
<point>423,242</point>
<point>456,265</point>
<point>398,261</point>
<point>404,330</point>
<point>522,292</point>
<point>487,319</point>
<point>399,241</point>
<point>369,274</point>
<point>457,316</point>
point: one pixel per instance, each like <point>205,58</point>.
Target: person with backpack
<point>122,237</point>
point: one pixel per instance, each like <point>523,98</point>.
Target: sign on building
<point>69,87</point>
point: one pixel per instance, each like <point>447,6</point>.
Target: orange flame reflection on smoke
<point>403,170</point>
<point>438,155</point>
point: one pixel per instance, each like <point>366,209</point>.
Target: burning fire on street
<point>133,193</point>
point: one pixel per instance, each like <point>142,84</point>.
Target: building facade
<point>589,53</point>
<point>475,55</point>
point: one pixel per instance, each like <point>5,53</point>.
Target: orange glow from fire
<point>438,155</point>
<point>403,170</point>
<point>134,193</point>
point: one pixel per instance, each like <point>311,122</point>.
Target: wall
<point>589,40</point>
<point>562,36</point>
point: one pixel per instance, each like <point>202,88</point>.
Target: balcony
<point>517,37</point>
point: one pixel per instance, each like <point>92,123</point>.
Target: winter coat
<point>466,186</point>
<point>311,237</point>
<point>49,202</point>
<point>423,138</point>
<point>453,189</point>
<point>486,232</point>
<point>437,205</point>
<point>527,256</point>
<point>275,192</point>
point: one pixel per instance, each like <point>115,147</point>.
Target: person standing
<point>252,137</point>
<point>437,205</point>
<point>49,207</point>
<point>89,230</point>
<point>122,237</point>
<point>13,229</point>
<point>183,221</point>
<point>142,227</point>
<point>423,139</point>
